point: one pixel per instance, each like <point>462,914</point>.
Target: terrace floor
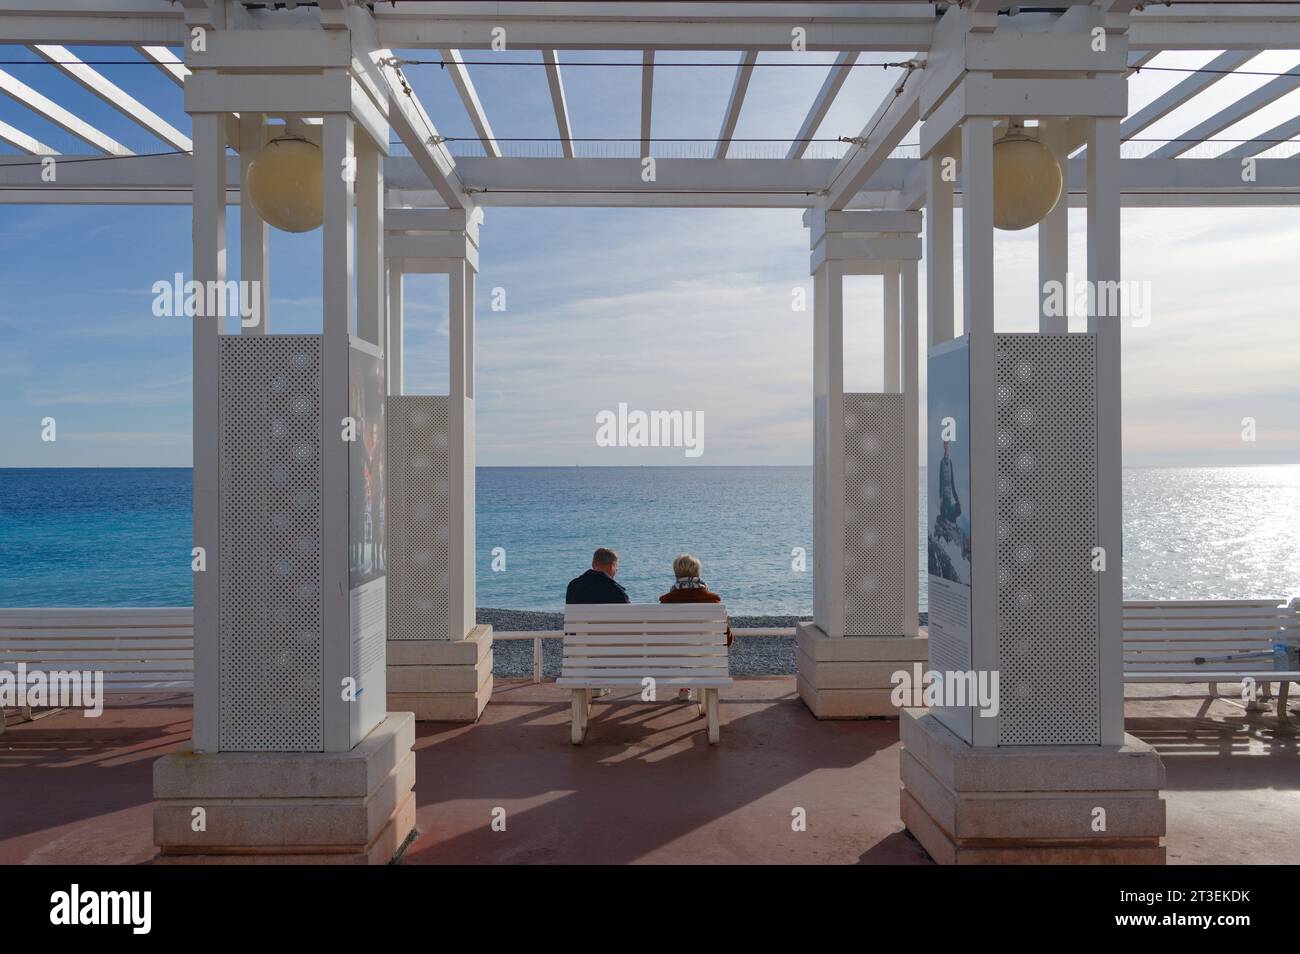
<point>646,787</point>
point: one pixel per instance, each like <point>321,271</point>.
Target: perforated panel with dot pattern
<point>270,543</point>
<point>874,561</point>
<point>419,528</point>
<point>1047,613</point>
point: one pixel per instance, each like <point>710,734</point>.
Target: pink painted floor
<point>646,787</point>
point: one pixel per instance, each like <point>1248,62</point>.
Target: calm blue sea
<point>118,537</point>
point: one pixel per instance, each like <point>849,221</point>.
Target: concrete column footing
<point>1029,804</point>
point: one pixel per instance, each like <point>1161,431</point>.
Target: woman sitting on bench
<point>689,588</point>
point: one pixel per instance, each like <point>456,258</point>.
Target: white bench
<point>676,645</point>
<point>1209,641</point>
<point>137,649</point>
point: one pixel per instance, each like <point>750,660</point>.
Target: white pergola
<point>960,73</point>
<point>872,174</point>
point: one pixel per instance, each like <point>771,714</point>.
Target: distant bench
<point>674,645</point>
<point>137,649</point>
<point>1210,641</point>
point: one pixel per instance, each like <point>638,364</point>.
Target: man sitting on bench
<point>598,585</point>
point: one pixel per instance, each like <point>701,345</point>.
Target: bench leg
<point>1283,691</point>
<point>711,706</point>
<point>581,701</point>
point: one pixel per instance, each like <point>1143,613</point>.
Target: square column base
<point>851,677</point>
<point>354,807</point>
<point>441,680</point>
<point>1029,804</point>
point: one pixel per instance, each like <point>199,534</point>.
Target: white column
<point>370,239</point>
<point>393,337</point>
<point>893,317</point>
<point>461,559</point>
<point>252,230</point>
<point>1103,164</point>
<point>978,318</point>
<point>1054,238</point>
<point>938,253</point>
<point>828,383</point>
<point>209,250</point>
<point>337,244</point>
<point>820,391</point>
<point>911,449</point>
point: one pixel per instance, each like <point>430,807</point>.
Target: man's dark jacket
<point>595,586</point>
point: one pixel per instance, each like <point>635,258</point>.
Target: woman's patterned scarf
<point>690,583</point>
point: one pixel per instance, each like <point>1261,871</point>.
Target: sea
<point>122,536</point>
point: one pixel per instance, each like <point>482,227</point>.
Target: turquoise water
<point>121,537</point>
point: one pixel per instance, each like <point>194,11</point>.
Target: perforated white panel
<point>874,561</point>
<point>419,527</point>
<point>270,544</point>
<point>1047,527</point>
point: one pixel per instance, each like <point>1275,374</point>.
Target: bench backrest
<point>137,649</point>
<point>636,640</point>
<point>1227,635</point>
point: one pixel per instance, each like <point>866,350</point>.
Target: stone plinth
<point>441,680</point>
<point>1029,804</point>
<point>354,807</point>
<point>851,677</point>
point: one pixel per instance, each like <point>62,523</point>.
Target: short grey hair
<point>603,556</point>
<point>686,565</point>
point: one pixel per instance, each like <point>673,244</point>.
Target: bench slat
<point>105,635</point>
<point>632,662</point>
<point>709,639</point>
<point>1185,676</point>
<point>700,652</point>
<point>598,681</point>
<point>642,627</point>
<point>621,612</point>
<point>1180,604</point>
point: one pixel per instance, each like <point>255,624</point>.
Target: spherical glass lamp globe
<point>284,184</point>
<point>1026,181</point>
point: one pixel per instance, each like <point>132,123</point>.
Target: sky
<point>660,309</point>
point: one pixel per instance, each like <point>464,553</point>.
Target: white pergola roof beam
<point>554,81</point>
<point>647,97</point>
<point>167,61</point>
<point>830,89</point>
<point>738,89</point>
<point>469,97</point>
<point>114,95</point>
<point>901,26</point>
<point>37,103</point>
<point>407,116</point>
<point>1265,141</point>
<point>884,131</point>
<point>21,141</point>
<point>1257,99</point>
<point>1183,91</point>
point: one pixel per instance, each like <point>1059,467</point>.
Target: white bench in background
<point>1210,641</point>
<point>138,649</point>
<point>620,645</point>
